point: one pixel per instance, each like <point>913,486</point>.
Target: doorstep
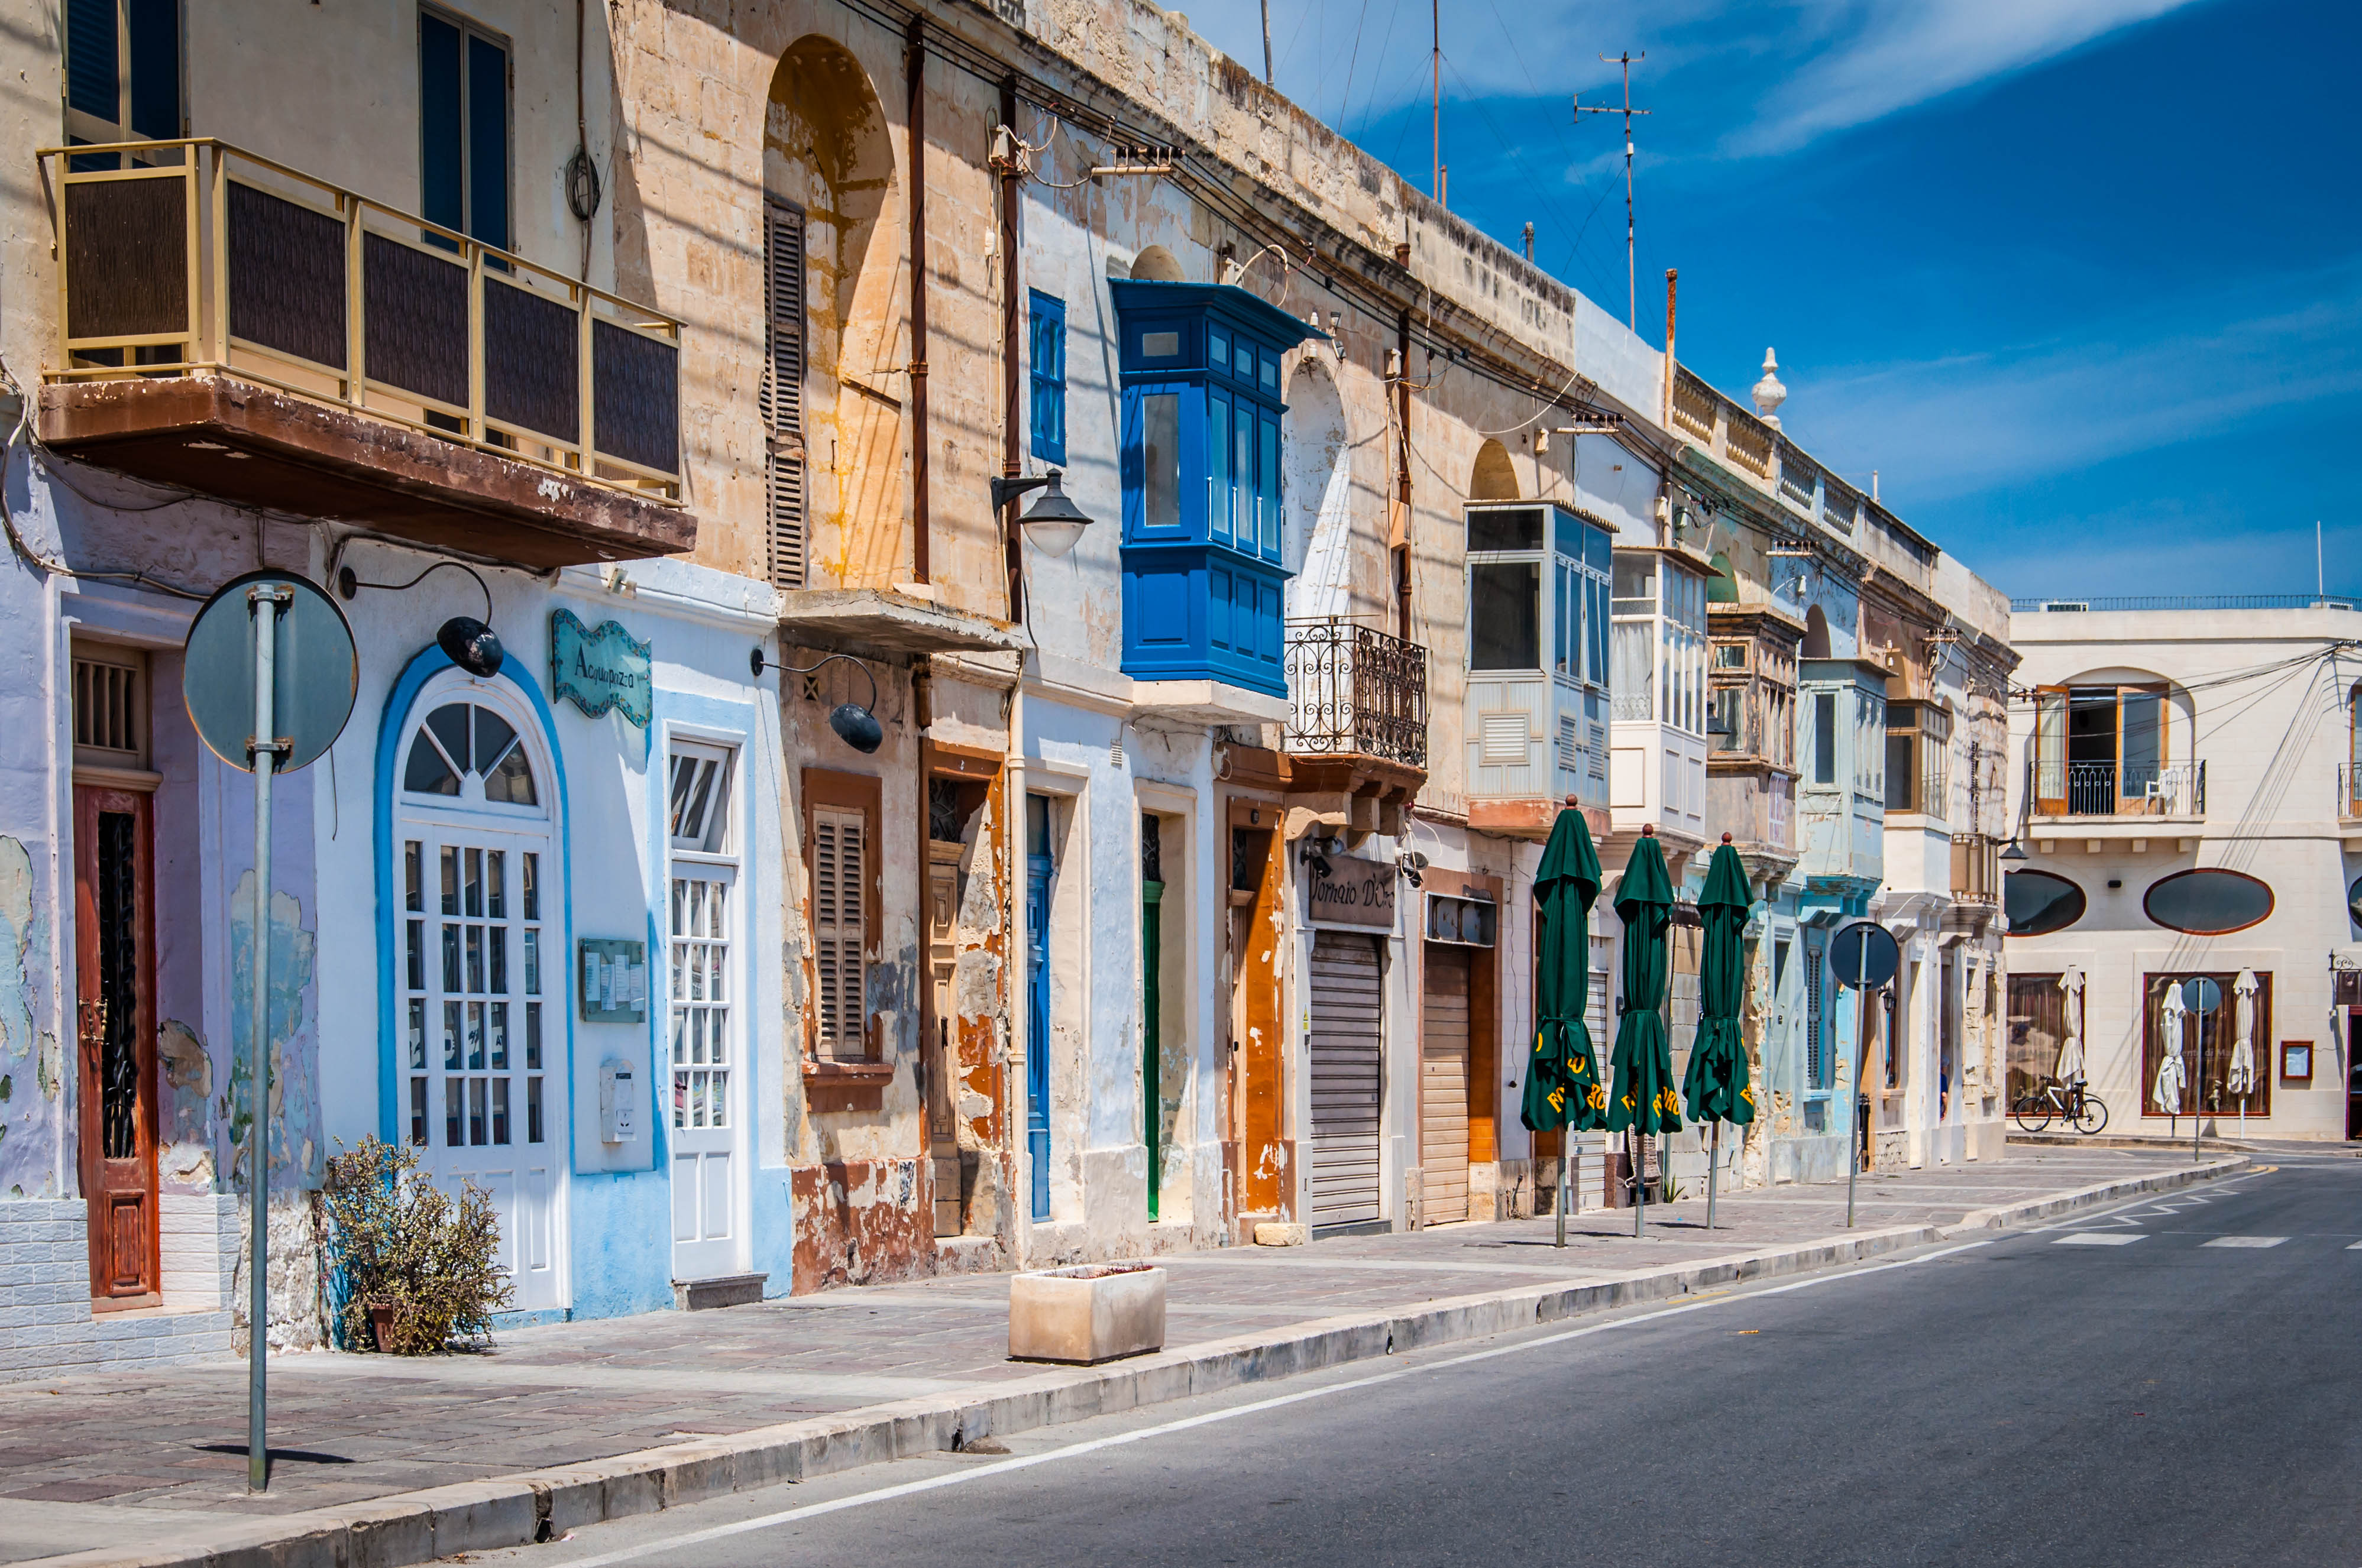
<point>721,1290</point>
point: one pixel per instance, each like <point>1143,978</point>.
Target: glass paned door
<point>704,1112</point>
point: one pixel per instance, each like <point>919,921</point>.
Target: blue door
<point>1038,870</point>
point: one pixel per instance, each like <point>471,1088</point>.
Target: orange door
<point>116,1025</point>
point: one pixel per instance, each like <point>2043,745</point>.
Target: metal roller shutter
<point>1443,1088</point>
<point>1346,1079</point>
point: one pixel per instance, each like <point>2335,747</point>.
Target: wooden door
<point>940,1064</point>
<point>114,983</point>
<point>1348,1080</point>
<point>1443,1088</point>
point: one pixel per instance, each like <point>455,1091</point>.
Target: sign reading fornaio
<point>1355,892</point>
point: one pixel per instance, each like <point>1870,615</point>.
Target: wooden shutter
<point>2050,751</point>
<point>1347,1079</point>
<point>840,850</point>
<point>1444,1072</point>
<point>781,395</point>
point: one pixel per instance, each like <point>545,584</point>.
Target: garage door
<point>1443,1088</point>
<point>1345,1080</point>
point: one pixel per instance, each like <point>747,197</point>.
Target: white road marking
<point>2357,1247</point>
<point>2247,1241</point>
<point>1076,1451</point>
<point>2097,1239</point>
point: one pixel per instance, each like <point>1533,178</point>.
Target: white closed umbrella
<point>2070,1049</point>
<point>2171,1073</point>
<point>2241,1079</point>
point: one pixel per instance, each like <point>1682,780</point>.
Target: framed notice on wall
<point>2296,1060</point>
<point>611,980</point>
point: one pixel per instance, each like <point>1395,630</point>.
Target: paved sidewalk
<point>124,1458</point>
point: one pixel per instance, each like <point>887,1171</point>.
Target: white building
<point>2184,795</point>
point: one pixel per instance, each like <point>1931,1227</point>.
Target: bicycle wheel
<point>2032,1115</point>
<point>2090,1116</point>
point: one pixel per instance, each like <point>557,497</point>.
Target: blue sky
<point>2081,279</point>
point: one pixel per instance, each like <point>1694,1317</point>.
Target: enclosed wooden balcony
<point>234,327</point>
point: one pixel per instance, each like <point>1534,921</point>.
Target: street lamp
<point>1054,522</point>
<point>854,722</point>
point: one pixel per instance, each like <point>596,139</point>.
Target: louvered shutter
<point>781,397</point>
<point>839,872</point>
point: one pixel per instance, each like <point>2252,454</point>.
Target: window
<point>700,807</point>
<point>1825,737</point>
<point>122,73</point>
<point>2102,750</point>
<point>2208,903</point>
<point>1753,704</point>
<point>1505,606</point>
<point>465,752</point>
<point>841,812</point>
<point>1633,681</point>
<point>2209,1042</point>
<point>1869,755</point>
<point>2038,1019</point>
<point>1918,752</point>
<point>702,1050</point>
<point>1660,652</point>
<point>780,396</point>
<point>1047,363</point>
<point>110,706</point>
<point>1201,450</point>
<point>2036,903</point>
<point>463,122</point>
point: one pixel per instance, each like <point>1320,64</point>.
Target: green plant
<point>403,1243</point>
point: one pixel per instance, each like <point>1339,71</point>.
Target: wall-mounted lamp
<point>854,722</point>
<point>1411,863</point>
<point>1315,851</point>
<point>1054,522</point>
<point>2014,852</point>
<point>470,643</point>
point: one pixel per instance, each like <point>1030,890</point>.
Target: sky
<point>2081,280</point>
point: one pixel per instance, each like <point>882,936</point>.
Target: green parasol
<point>1563,1089</point>
<point>1643,1097</point>
<point>1717,1088</point>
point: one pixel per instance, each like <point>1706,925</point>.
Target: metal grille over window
<point>839,845</point>
<point>780,398</point>
<point>700,1003</point>
<point>108,699</point>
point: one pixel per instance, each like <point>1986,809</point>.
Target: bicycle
<point>2070,1103</point>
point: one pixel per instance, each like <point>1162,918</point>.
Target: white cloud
<point>1882,55</point>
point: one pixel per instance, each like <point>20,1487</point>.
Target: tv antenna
<point>1632,277</point>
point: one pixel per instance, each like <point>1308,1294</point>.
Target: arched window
<point>1722,588</point>
<point>1816,634</point>
<point>1157,265</point>
<point>1494,478</point>
<point>481,970</point>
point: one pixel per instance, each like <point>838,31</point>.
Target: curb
<point>542,1504</point>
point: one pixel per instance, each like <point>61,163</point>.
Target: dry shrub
<point>403,1242</point>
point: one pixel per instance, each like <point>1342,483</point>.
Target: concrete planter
<point>1093,1313</point>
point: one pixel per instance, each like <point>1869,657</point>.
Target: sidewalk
<point>153,1464</point>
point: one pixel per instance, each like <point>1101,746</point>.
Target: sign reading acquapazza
<point>601,670</point>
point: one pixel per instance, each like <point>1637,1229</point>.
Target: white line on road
<point>2098,1238</point>
<point>2246,1242</point>
<point>1075,1450</point>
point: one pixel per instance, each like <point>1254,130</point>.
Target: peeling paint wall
<point>32,1067</point>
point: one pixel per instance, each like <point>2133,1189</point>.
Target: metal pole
<point>1639,1182</point>
<point>1565,1153</point>
<point>264,603</point>
<point>1713,1171</point>
<point>1861,1066</point>
<point>2198,1091</point>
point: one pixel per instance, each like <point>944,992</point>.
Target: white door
<point>484,1046</point>
<point>707,1116</point>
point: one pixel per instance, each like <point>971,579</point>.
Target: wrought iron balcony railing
<point>199,257</point>
<point>2349,789</point>
<point>2062,788</point>
<point>1356,691</point>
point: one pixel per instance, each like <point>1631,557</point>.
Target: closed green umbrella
<point>1717,1088</point>
<point>1563,1089</point>
<point>1644,1098</point>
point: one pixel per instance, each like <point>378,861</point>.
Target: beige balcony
<point>234,327</point>
<point>1356,733</point>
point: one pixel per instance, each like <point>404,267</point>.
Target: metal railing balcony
<point>199,257</point>
<point>2349,791</point>
<point>1356,691</point>
<point>2062,788</point>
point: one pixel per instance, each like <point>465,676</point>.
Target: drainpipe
<point>1009,464</point>
<point>1402,463</point>
<point>917,56</point>
<point>1665,415</point>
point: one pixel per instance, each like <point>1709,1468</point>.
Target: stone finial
<point>1768,393</point>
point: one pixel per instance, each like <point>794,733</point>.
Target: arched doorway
<point>480,963</point>
<point>1318,543</point>
<point>1494,478</point>
<point>830,291</point>
<point>1816,634</point>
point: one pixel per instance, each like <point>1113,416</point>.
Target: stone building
<point>1042,871</point>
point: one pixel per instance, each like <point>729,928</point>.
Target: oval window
<point>2354,900</point>
<point>2209,902</point>
<point>2038,903</point>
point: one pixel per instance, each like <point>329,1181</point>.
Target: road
<point>2170,1382</point>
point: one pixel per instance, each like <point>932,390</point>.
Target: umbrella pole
<point>1713,1171</point>
<point>1639,1183</point>
<point>1565,1153</point>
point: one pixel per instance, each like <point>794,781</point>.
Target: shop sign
<point>1355,892</point>
<point>601,669</point>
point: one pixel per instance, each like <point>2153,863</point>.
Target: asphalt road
<point>2175,1382</point>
